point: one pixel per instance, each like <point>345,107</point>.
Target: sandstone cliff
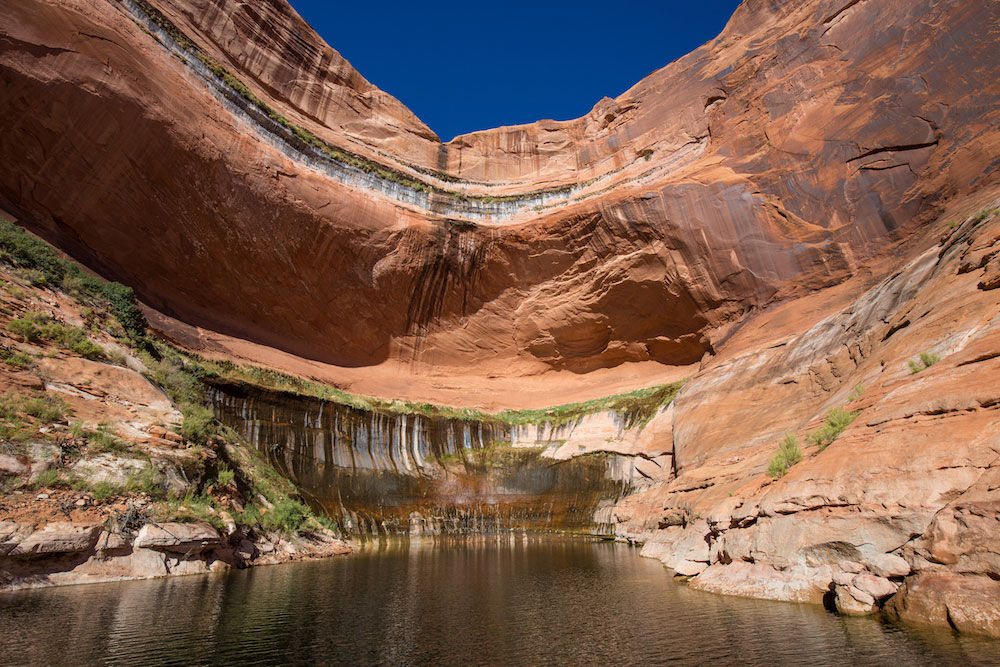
<point>757,168</point>
<point>787,216</point>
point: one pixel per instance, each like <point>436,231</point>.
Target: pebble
<point>81,503</point>
<point>42,496</point>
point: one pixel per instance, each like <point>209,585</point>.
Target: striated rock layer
<point>799,216</point>
<point>774,160</point>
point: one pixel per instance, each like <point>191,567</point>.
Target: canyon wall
<point>377,472</point>
<point>142,139</point>
<point>799,217</point>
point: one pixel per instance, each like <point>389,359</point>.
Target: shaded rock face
<point>759,166</point>
<point>378,472</point>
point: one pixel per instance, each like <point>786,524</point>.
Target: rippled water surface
<point>496,601</point>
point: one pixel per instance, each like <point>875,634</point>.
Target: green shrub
<point>985,213</point>
<point>46,408</point>
<point>35,277</point>
<point>927,359</point>
<point>837,420</point>
<point>88,350</point>
<point>859,389</point>
<point>199,423</point>
<point>192,508</point>
<point>34,327</point>
<point>24,250</point>
<point>105,490</point>
<point>287,516</point>
<point>46,479</point>
<point>24,328</point>
<point>169,373</point>
<point>788,454</point>
<point>12,483</point>
<point>19,360</point>
<point>45,267</point>
<point>16,292</point>
<point>117,357</point>
<point>103,440</point>
<point>126,309</point>
<point>225,475</point>
<point>8,407</point>
<point>145,482</point>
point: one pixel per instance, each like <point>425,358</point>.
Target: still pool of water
<point>508,600</point>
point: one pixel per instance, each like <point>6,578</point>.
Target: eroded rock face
<point>185,538</point>
<point>966,603</point>
<point>759,166</point>
<point>906,495</point>
<point>57,538</point>
<point>61,553</point>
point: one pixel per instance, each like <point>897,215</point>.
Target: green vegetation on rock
<point>788,455</point>
<point>927,359</point>
<point>635,407</point>
<point>837,420</point>
<point>28,253</point>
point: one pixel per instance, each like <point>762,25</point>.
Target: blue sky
<point>465,66</point>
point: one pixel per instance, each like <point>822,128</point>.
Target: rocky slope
<point>799,217</point>
<point>101,475</point>
<point>906,494</point>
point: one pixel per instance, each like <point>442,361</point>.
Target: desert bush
<point>788,454</point>
<point>103,440</point>
<point>24,328</point>
<point>927,359</point>
<point>287,516</point>
<point>225,475</point>
<point>199,423</point>
<point>837,420</point>
<point>18,360</point>
<point>46,408</point>
<point>46,479</point>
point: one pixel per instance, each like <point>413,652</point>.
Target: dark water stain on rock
<point>382,472</point>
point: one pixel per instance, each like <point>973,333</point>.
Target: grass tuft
<point>788,454</point>
<point>927,359</point>
<point>837,420</point>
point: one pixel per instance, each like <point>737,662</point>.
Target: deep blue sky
<point>464,66</point>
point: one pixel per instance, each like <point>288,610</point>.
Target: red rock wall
<point>774,160</point>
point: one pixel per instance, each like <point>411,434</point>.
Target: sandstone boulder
<point>10,466</point>
<point>179,538</point>
<point>965,537</point>
<point>108,468</point>
<point>58,538</point>
<point>968,603</point>
<point>888,565</point>
<point>759,580</point>
<point>690,568</point>
<point>877,587</point>
<point>11,534</point>
<point>853,602</point>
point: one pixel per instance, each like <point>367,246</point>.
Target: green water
<point>498,600</point>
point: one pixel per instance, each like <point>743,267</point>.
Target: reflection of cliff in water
<point>376,472</point>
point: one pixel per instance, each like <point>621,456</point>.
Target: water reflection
<point>511,600</point>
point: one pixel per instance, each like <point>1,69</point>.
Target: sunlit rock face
<point>758,167</point>
<point>377,472</point>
